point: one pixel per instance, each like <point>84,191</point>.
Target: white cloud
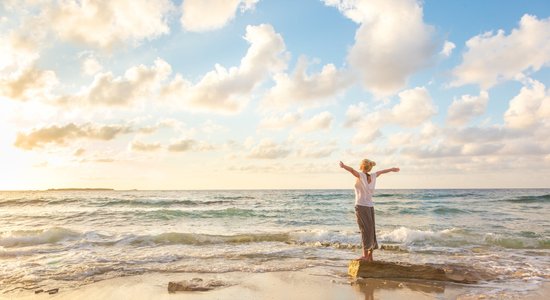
<point>279,122</point>
<point>268,149</point>
<point>60,135</point>
<point>391,43</point>
<point>429,134</point>
<point>187,144</point>
<point>304,89</point>
<point>494,133</point>
<point>138,83</point>
<point>28,84</point>
<point>20,78</point>
<point>492,58</point>
<point>321,121</point>
<point>106,24</point>
<point>448,48</point>
<point>211,127</point>
<point>314,149</point>
<point>91,66</point>
<point>435,150</point>
<point>530,107</point>
<point>228,90</point>
<point>182,145</point>
<point>355,113</point>
<point>144,147</point>
<point>204,15</point>
<point>467,107</point>
<point>19,51</point>
<point>414,108</point>
<point>366,133</point>
<point>477,149</point>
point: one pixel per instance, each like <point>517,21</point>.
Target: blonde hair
<point>366,165</point>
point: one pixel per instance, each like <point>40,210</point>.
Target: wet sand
<point>313,283</point>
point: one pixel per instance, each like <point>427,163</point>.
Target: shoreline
<point>312,283</point>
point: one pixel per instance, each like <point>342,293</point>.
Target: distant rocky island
<point>82,189</point>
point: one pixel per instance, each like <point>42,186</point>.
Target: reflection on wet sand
<point>376,288</point>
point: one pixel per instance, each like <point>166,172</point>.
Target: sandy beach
<point>312,283</point>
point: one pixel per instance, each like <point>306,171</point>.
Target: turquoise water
<point>69,238</point>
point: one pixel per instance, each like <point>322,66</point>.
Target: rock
<point>195,284</point>
<point>52,291</point>
<point>397,270</point>
<point>39,291</point>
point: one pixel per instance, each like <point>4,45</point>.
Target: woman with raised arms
<point>364,207</point>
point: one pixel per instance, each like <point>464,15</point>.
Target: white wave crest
<point>408,236</point>
<point>36,237</point>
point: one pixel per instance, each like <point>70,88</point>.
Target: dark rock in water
<point>195,284</point>
<point>397,270</point>
<point>39,291</point>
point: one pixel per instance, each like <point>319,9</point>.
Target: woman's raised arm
<point>378,173</point>
<point>349,169</point>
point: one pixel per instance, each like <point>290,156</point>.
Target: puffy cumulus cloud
<point>182,145</point>
<point>429,134</point>
<point>27,84</point>
<point>188,144</point>
<point>20,79</point>
<point>314,149</point>
<point>91,66</point>
<point>366,134</point>
<point>530,107</point>
<point>166,123</point>
<point>355,113</point>
<point>144,147</point>
<point>19,51</point>
<point>210,127</point>
<point>467,107</point>
<point>279,122</point>
<point>321,121</point>
<point>108,23</point>
<point>476,134</point>
<point>304,89</point>
<point>414,108</point>
<point>137,83</point>
<point>60,135</point>
<point>481,149</point>
<point>391,43</point>
<point>268,149</point>
<point>491,58</point>
<point>204,15</point>
<point>437,150</point>
<point>228,90</point>
<point>420,148</point>
<point>447,48</point>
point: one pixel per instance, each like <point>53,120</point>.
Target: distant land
<point>82,189</point>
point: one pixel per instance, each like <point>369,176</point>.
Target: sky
<point>272,94</point>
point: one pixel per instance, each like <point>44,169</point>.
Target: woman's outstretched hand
<point>395,169</point>
<point>341,164</point>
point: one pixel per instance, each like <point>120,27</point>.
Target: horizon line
<point>260,189</point>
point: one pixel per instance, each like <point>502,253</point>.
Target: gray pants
<point>365,220</point>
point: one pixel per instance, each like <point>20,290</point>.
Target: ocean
<point>70,238</point>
